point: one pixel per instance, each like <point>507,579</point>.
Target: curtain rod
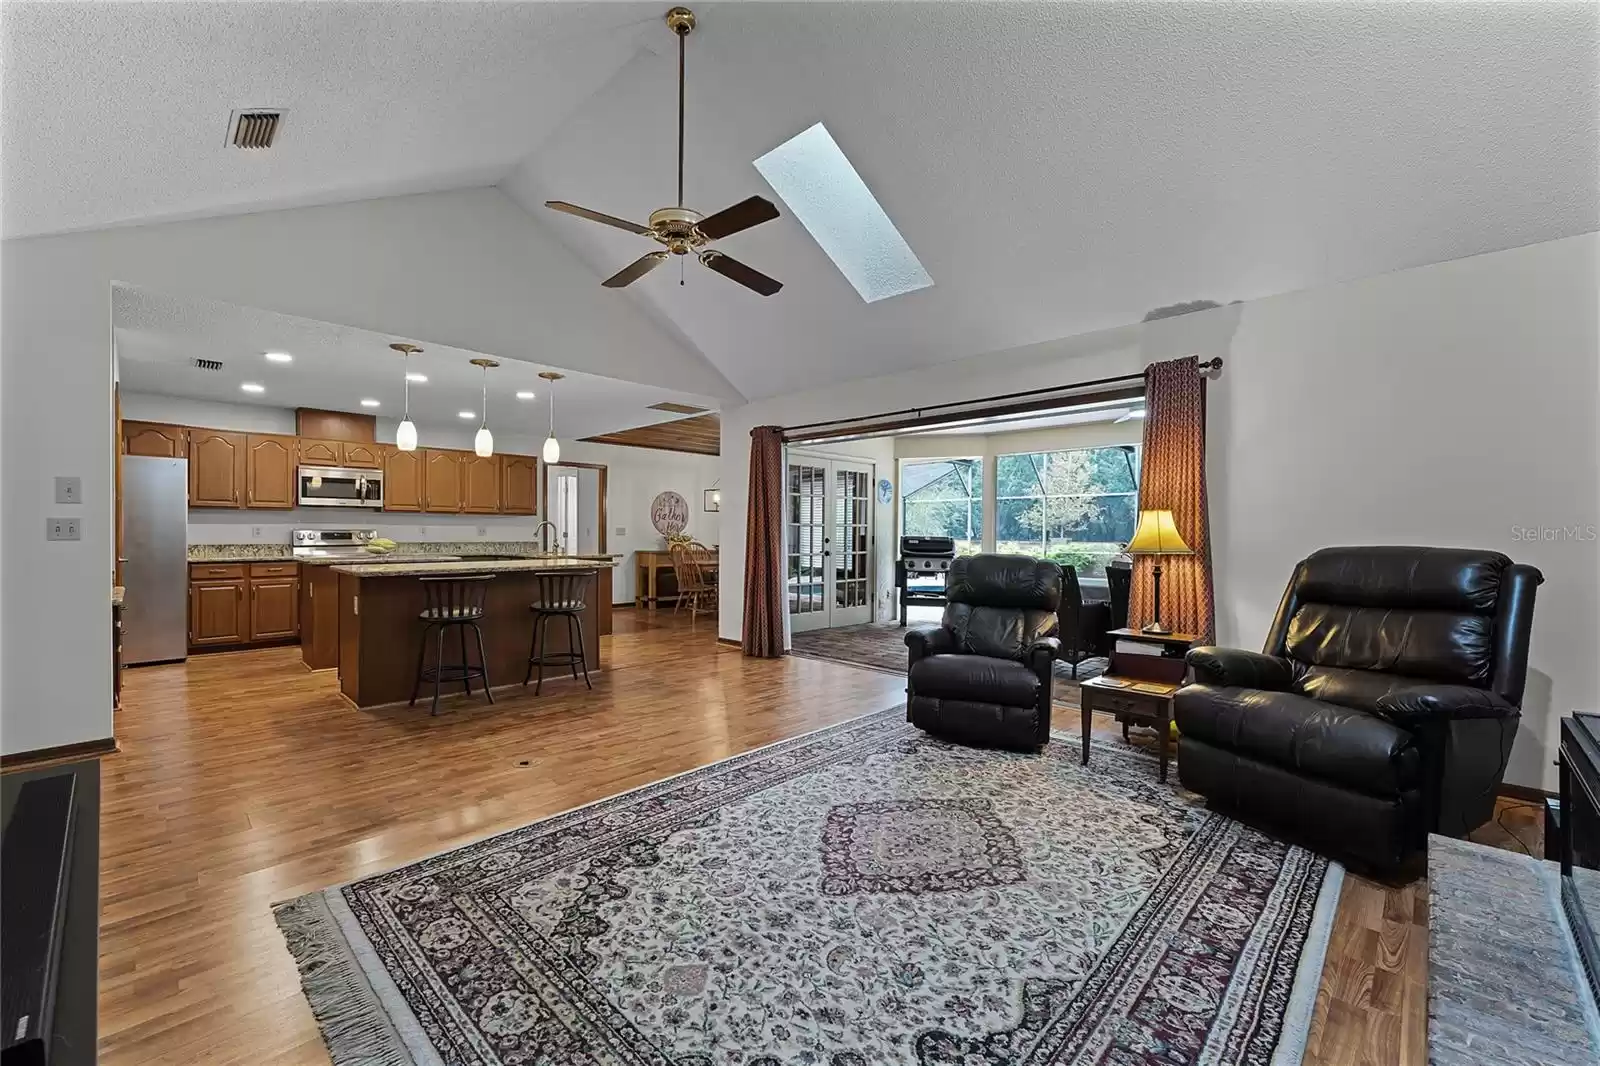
<point>1206,367</point>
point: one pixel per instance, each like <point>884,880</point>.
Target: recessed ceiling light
<point>467,414</point>
<point>370,403</point>
<point>279,357</point>
<point>251,386</point>
<point>524,395</point>
<point>416,378</point>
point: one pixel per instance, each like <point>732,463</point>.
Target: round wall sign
<point>669,513</point>
<point>885,490</point>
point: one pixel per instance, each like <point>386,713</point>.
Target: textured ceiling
<point>1058,168</point>
<point>335,367</point>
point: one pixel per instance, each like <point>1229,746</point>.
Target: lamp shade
<point>483,443</point>
<point>1157,534</point>
<point>405,436</point>
<point>552,449</point>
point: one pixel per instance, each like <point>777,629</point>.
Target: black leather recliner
<point>1384,705</point>
<point>983,676</point>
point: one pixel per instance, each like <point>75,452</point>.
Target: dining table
<point>648,566</point>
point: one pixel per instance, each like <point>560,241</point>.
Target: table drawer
<point>274,569</point>
<point>1110,702</point>
<point>215,571</point>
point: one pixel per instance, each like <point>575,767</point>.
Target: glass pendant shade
<point>405,436</point>
<point>483,443</point>
<point>552,449</point>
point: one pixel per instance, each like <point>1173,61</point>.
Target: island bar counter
<point>380,633</point>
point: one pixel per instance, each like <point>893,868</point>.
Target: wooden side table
<point>1145,702</point>
<point>1172,645</point>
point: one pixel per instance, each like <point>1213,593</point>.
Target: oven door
<point>331,486</point>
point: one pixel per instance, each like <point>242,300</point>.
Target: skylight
<point>834,204</point>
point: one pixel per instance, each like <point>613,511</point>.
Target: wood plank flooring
<point>244,779</point>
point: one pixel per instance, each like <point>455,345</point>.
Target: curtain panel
<point>1173,477</point>
<point>763,552</point>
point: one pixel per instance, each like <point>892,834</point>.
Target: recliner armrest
<point>930,640</point>
<point>1417,704</point>
<point>1237,668</point>
<point>1048,647</point>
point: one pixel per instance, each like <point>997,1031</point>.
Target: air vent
<point>254,129</point>
<point>677,408</point>
<point>207,364</point>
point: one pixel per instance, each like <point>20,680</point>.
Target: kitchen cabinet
<point>216,468</point>
<point>480,481</point>
<point>153,438</point>
<point>217,612</point>
<point>346,453</point>
<point>319,618</point>
<point>519,491</point>
<point>402,480</point>
<point>274,608</point>
<point>270,471</point>
<point>441,481</point>
<point>362,456</point>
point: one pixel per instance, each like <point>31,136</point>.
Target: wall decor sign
<point>885,490</point>
<point>669,513</point>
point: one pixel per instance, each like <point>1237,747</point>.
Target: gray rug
<point>860,896</point>
<point>1505,984</point>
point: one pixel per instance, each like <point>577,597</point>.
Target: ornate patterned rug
<point>861,896</point>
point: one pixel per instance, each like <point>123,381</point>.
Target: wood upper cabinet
<point>216,468</point>
<point>519,484</point>
<point>154,438</point>
<point>321,452</point>
<point>270,475</point>
<point>274,608</point>
<point>402,480</point>
<point>441,481</point>
<point>363,456</point>
<point>217,612</point>
<point>480,481</point>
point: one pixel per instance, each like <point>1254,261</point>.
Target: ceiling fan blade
<point>597,216</point>
<point>635,270</point>
<point>740,216</point>
<point>749,277</point>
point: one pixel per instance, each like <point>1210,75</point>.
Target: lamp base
<point>1156,629</point>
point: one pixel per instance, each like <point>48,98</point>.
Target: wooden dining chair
<point>691,579</point>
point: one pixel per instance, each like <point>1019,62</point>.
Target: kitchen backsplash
<point>200,553</point>
<point>267,529</point>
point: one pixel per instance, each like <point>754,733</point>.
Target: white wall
<point>466,268</point>
<point>1453,404</point>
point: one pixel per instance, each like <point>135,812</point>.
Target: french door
<point>829,542</point>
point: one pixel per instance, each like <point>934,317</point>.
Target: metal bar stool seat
<point>455,601</point>
<point>560,596</point>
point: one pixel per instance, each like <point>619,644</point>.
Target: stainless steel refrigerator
<point>155,573</point>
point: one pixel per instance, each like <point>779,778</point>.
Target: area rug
<point>860,896</point>
<point>882,646</point>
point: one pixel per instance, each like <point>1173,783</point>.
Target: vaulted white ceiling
<point>1058,168</point>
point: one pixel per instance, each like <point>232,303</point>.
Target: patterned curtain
<point>763,546</point>
<point>1173,477</point>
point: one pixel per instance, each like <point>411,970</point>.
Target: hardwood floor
<point>244,779</point>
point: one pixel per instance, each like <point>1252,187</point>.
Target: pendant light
<point>483,443</point>
<point>552,447</point>
<point>405,434</point>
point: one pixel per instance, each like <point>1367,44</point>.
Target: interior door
<point>828,566</point>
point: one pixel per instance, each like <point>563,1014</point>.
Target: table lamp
<point>1157,535</point>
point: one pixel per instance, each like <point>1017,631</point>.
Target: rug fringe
<point>352,1022</point>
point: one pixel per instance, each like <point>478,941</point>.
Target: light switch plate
<point>62,529</point>
<point>622,531</point>
<point>69,490</point>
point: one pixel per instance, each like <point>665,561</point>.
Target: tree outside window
<point>1077,508</point>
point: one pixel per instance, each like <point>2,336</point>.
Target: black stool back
<point>563,591</point>
<point>561,595</point>
<point>454,600</point>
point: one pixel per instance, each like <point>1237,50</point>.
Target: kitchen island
<point>380,633</point>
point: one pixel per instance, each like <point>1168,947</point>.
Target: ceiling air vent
<point>207,364</point>
<point>255,128</point>
<point>676,408</point>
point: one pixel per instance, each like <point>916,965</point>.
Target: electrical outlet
<point>69,490</point>
<point>622,531</point>
<point>255,532</point>
<point>61,529</point>
<point>422,531</point>
<point>483,531</point>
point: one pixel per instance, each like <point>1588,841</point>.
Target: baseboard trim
<point>730,642</point>
<point>1526,793</point>
<point>61,753</point>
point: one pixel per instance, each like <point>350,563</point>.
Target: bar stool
<point>560,594</point>
<point>452,601</point>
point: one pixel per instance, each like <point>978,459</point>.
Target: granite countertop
<point>475,566</point>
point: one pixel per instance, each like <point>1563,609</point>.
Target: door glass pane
<point>807,528</point>
<point>852,538</point>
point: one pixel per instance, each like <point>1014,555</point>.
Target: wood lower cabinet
<point>216,468</point>
<point>217,612</point>
<point>153,438</point>
<point>274,608</point>
<point>270,471</point>
<point>441,481</point>
<point>480,483</point>
<point>319,618</point>
<point>519,492</point>
<point>402,480</point>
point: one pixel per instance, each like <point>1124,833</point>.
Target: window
<point>1077,507</point>
<point>943,498</point>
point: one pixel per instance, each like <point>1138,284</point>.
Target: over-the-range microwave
<point>337,486</point>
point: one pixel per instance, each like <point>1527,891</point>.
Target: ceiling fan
<point>683,230</point>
